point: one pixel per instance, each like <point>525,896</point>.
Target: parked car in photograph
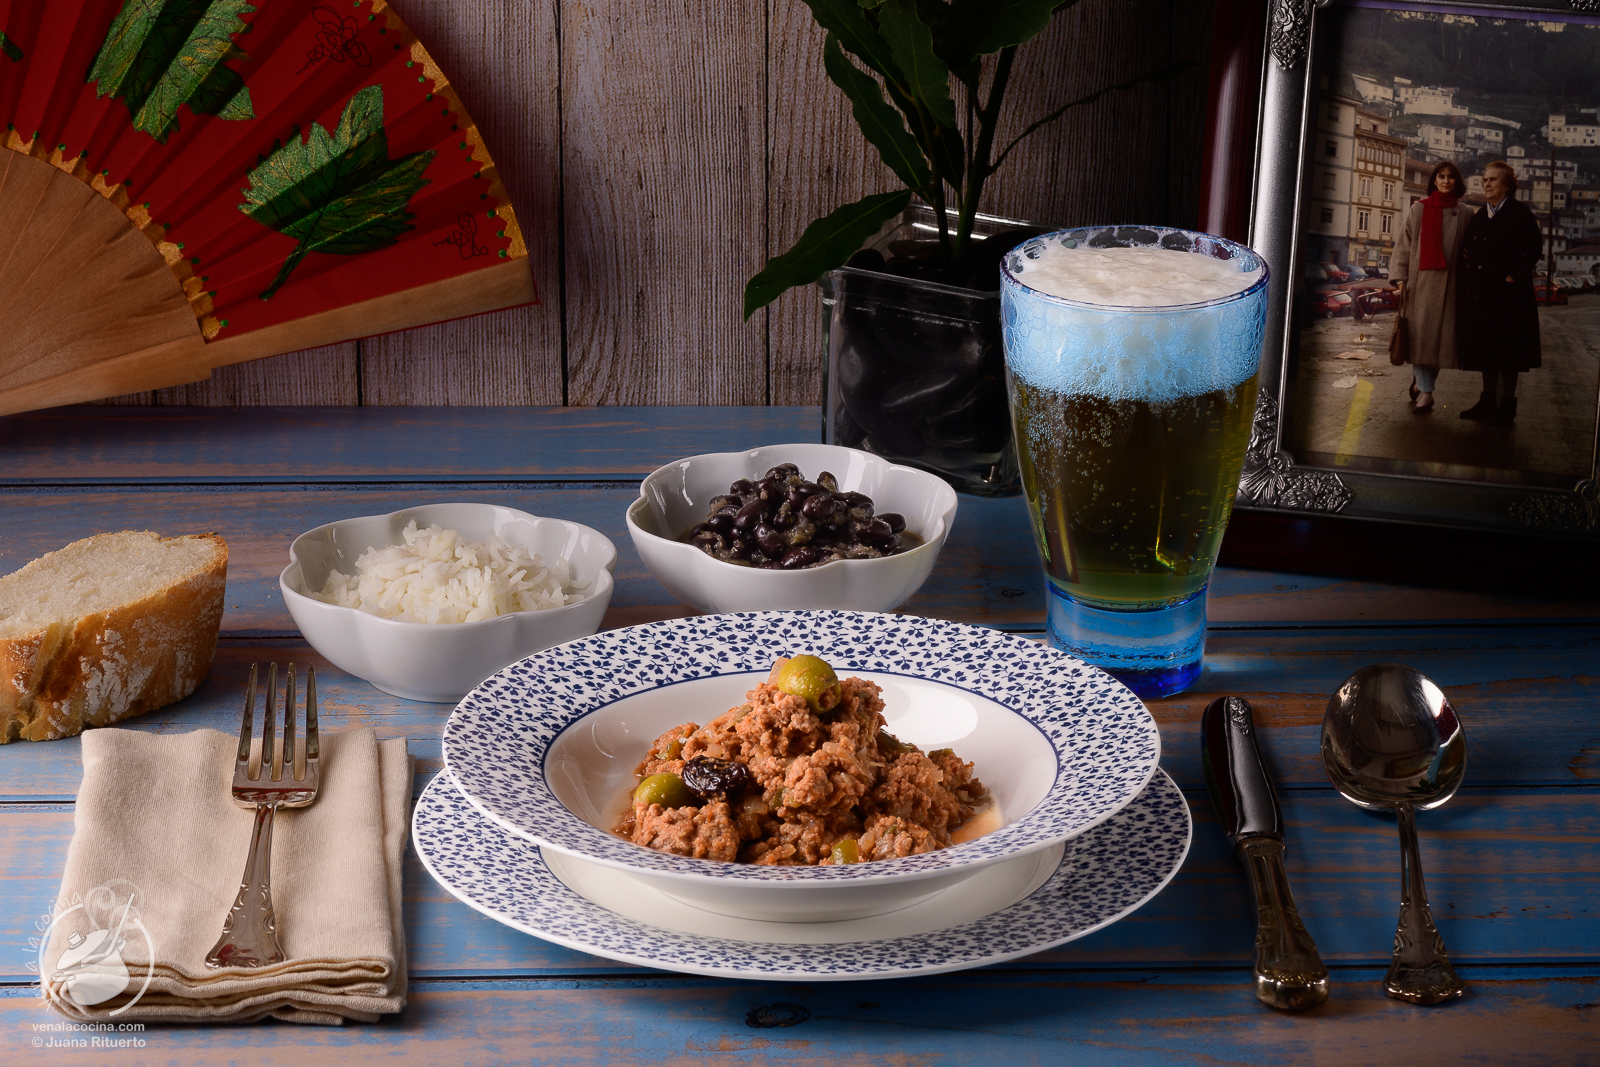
<point>1328,301</point>
<point>1335,273</point>
<point>1546,293</point>
<point>1356,273</point>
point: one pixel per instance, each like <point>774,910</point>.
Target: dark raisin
<point>708,776</point>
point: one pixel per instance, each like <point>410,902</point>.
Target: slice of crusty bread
<point>109,627</point>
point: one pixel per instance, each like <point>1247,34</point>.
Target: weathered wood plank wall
<point>657,155</point>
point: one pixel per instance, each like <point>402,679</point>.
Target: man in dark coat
<point>1499,329</point>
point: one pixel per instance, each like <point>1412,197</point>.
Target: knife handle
<point>1289,973</point>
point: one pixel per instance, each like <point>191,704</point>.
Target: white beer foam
<point>1158,356</point>
<point>1131,277</point>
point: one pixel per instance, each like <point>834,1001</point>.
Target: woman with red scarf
<point>1424,264</point>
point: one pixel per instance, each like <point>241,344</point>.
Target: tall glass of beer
<point>1131,358</point>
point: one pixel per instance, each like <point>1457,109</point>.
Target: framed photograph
<point>1427,190</point>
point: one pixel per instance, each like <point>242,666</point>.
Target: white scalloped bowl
<point>441,662</point>
<point>675,497</point>
<point>547,747</point>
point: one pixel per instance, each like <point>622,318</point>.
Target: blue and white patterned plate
<point>1104,742</point>
<point>1106,873</point>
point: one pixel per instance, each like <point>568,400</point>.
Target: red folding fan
<point>186,184</point>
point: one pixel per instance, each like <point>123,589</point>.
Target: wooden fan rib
<point>87,270</point>
<point>504,285</point>
<point>68,286</point>
<point>174,363</point>
<point>82,286</point>
<point>27,184</point>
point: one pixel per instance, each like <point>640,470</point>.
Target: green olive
<point>890,744</point>
<point>846,851</point>
<point>667,790</point>
<point>810,679</point>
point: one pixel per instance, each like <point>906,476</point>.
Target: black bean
<point>876,531</point>
<point>828,482</point>
<point>771,541</point>
<point>785,518</point>
<point>819,507</point>
<point>782,471</point>
<point>721,522</point>
<point>896,521</point>
<point>799,556</point>
<point>749,515</point>
<point>743,487</point>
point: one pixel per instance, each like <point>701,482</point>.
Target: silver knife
<point>1289,973</point>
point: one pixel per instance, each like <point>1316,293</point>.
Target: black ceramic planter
<point>915,371</point>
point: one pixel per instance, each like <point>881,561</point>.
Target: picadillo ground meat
<point>821,788</point>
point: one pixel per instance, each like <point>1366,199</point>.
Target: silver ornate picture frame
<point>1274,479</point>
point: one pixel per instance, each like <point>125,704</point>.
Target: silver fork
<point>286,777</point>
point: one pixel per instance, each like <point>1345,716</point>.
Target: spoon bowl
<point>1392,742</point>
<point>1391,736</point>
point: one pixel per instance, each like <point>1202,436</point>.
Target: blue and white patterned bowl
<point>1106,873</point>
<point>546,747</point>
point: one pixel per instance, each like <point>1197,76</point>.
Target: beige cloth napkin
<point>157,852</point>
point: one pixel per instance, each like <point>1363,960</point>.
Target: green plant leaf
<point>927,77</point>
<point>338,193</point>
<point>9,49</point>
<point>981,27</point>
<point>159,54</point>
<point>881,123</point>
<point>826,244</point>
<point>846,21</point>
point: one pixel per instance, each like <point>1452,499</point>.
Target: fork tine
<point>245,727</point>
<point>311,714</point>
<point>285,761</point>
<point>268,724</point>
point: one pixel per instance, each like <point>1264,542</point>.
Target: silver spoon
<point>1391,741</point>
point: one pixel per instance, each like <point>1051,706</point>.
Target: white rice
<point>437,577</point>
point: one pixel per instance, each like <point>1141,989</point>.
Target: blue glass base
<point>1155,653</point>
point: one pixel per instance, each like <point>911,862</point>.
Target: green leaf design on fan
<point>338,192</point>
<point>9,49</point>
<point>159,54</point>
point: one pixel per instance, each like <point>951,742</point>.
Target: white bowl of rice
<point>427,602</point>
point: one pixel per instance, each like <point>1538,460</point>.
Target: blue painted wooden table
<point>1512,863</point>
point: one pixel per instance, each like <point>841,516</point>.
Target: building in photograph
<point>1332,170</point>
<point>1485,140</point>
<point>1579,259</point>
<point>1373,92</point>
<point>1438,141</point>
<point>1378,176</point>
<point>1427,99</point>
<point>1562,134</point>
<point>1416,181</point>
